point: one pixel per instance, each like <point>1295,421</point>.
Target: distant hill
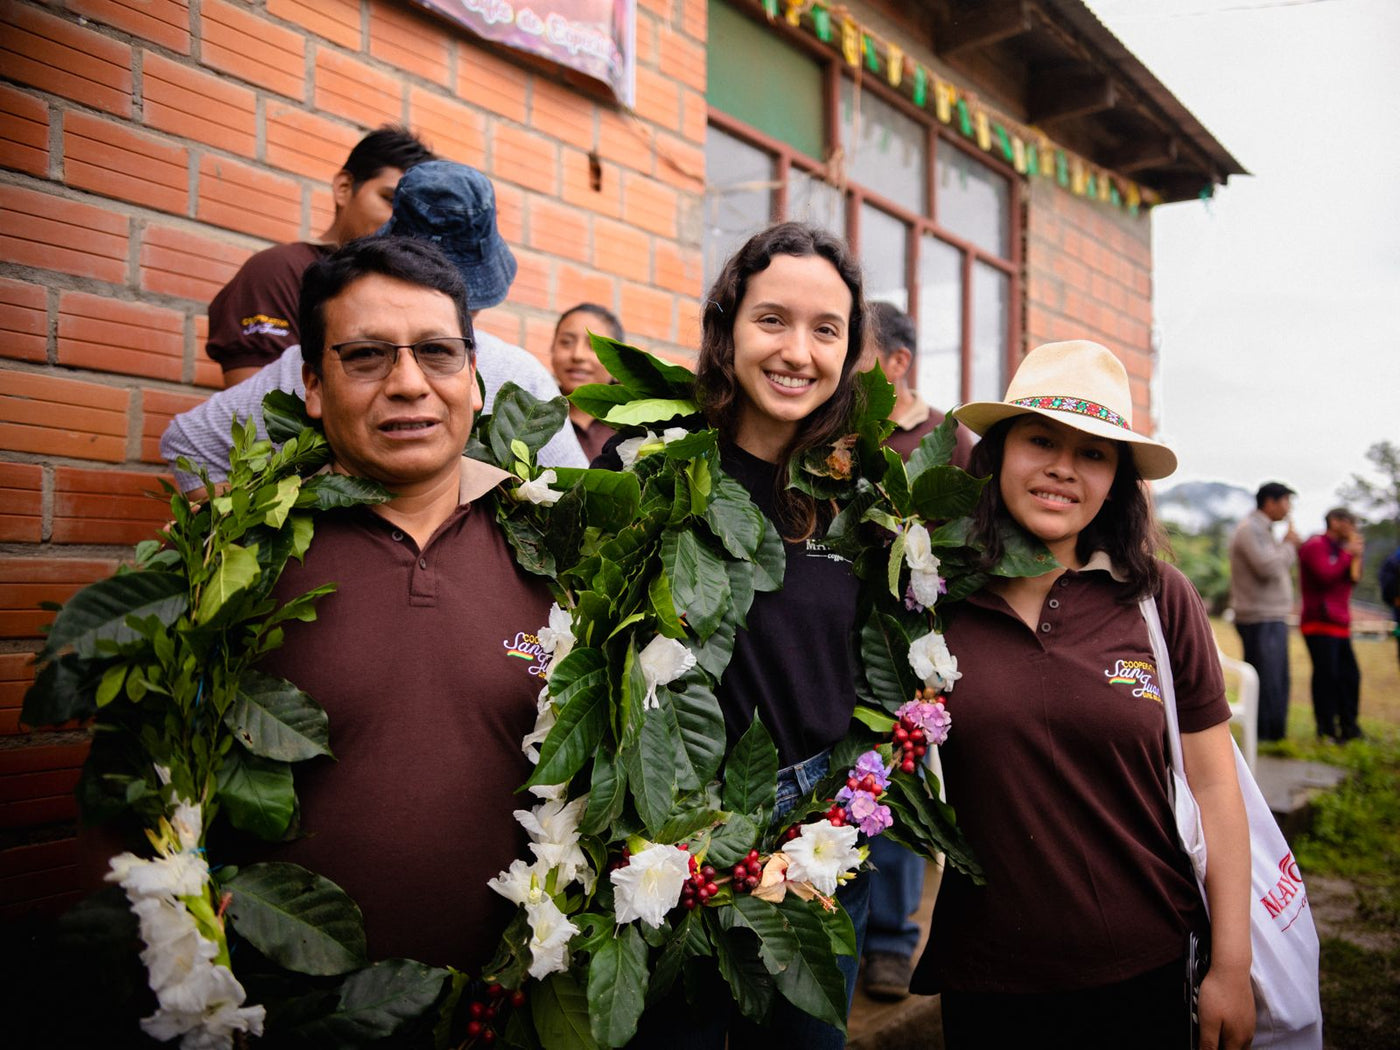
<point>1198,506</point>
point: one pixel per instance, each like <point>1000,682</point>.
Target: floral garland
<point>653,851</point>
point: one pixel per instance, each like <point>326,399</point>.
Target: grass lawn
<point>1353,846</point>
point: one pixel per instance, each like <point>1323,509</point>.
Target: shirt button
<point>1054,603</point>
<point>398,536</point>
<point>422,563</point>
<point>1045,628</point>
<point>1063,582</point>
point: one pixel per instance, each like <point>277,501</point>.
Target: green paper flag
<point>1032,159</point>
<point>1092,190</point>
<point>821,22</point>
<point>964,118</point>
<point>1061,168</point>
<point>920,86</point>
<point>1114,195</point>
<point>770,8</point>
<point>1005,140</point>
<point>872,61</point>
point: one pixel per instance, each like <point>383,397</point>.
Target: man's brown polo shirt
<point>1056,765</point>
<point>428,666</point>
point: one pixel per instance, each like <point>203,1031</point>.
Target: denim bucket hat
<point>454,206</point>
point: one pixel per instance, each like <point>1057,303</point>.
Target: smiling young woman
<point>1082,934</point>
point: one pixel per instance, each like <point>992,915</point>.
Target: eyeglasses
<point>376,358</point>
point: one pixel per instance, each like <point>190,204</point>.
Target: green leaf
<point>751,772</point>
<point>879,394</point>
<point>257,794</point>
<point>517,415</point>
<point>238,570</point>
<point>699,580</point>
<point>936,449</point>
<point>598,399</point>
<point>611,498</point>
<point>376,1003</point>
<point>111,685</point>
<point>298,919</point>
<point>927,825</point>
<point>579,685</point>
<point>732,841</point>
<point>697,724</point>
<point>897,564</point>
<point>876,720</point>
<point>777,943</point>
<point>273,718</point>
<point>770,560</point>
<point>617,984</point>
<point>330,491</point>
<point>714,653</point>
<point>649,410</point>
<point>736,953</point>
<point>884,652</point>
<point>684,943</point>
<point>63,690</point>
<point>99,611</point>
<point>284,415</point>
<point>734,518</point>
<point>559,1009</point>
<point>283,501</point>
<point>812,982</point>
<point>642,374</point>
<point>686,823</point>
<point>606,795</point>
<point>663,604</point>
<point>940,493</point>
<point>651,772</point>
<point>1021,554</point>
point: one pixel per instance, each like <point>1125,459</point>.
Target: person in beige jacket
<point>1261,593</point>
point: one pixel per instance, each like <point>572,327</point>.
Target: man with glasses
<point>416,654</point>
<point>454,206</point>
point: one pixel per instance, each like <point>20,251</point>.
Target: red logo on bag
<point>1286,901</point>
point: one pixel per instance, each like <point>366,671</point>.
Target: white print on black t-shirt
<point>527,647</point>
<point>821,550</point>
<point>1137,673</point>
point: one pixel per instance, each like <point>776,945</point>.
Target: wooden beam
<point>1056,96</point>
<point>1143,153</point>
<point>986,24</point>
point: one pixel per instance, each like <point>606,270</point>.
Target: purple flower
<point>932,718</point>
<point>872,763</point>
<point>910,602</point>
<point>869,815</point>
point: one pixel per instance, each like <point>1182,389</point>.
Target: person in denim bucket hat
<point>454,206</point>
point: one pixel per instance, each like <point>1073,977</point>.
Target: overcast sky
<point>1278,303</point>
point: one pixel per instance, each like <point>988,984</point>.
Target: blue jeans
<point>670,1024</point>
<point>1266,650</point>
<point>896,887</point>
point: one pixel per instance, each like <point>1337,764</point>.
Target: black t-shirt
<point>795,662</point>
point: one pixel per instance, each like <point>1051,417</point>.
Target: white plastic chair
<point>1245,710</point>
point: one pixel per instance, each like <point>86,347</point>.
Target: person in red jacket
<point>1329,564</point>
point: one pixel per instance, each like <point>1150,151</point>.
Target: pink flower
<point>869,815</point>
<point>932,717</point>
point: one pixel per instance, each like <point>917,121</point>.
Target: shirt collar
<point>917,413</point>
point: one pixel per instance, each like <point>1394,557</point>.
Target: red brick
<point>624,140</point>
<point>19,860</point>
<point>49,756</point>
<point>158,408</point>
<point>21,505</point>
<point>681,58</point>
<point>34,891</point>
<point>562,113</point>
<point>453,130</point>
<point>164,22</point>
<point>107,506</point>
<point>307,144</point>
<point>574,285</point>
<point>510,213</point>
<point>578,188</point>
<point>46,52</point>
<point>24,326</point>
<point>695,116</point>
<point>240,197</point>
<point>539,334</point>
<point>502,323</point>
<point>24,132</point>
<point>490,82</point>
<point>207,371</point>
<point>645,42</point>
<point>622,250</point>
<point>336,20</point>
<point>411,40</point>
<point>658,99</point>
<point>29,813</point>
<point>678,269</point>
<point>695,18</point>
<point>54,416</point>
<point>109,159</point>
<point>174,262</point>
<point>357,91</point>
<point>648,312</point>
<point>531,284</point>
<point>663,8</point>
<point>254,49</point>
<point>108,335</point>
<point>525,158</point>
<point>648,204</point>
<point>680,163</point>
<point>16,676</point>
<point>24,583</point>
<point>558,229</point>
<point>322,210</point>
<point>40,229</point>
<point>688,328</point>
<point>197,105</point>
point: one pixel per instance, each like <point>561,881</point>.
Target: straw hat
<point>1082,385</point>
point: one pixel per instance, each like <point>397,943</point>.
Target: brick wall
<point>148,147</point>
<point>1089,276</point>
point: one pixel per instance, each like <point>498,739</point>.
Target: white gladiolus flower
<point>522,883</point>
<point>178,875</point>
<point>633,449</point>
<point>923,566</point>
<point>553,828</point>
<point>821,853</point>
<point>538,490</point>
<point>550,932</point>
<point>650,884</point>
<point>544,722</point>
<point>663,661</point>
<point>931,660</point>
<point>558,638</point>
<point>550,792</point>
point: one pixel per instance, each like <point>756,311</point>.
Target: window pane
<point>991,313</point>
<point>973,201</point>
<point>738,196</point>
<point>938,377</point>
<point>883,249</point>
<point>887,152</point>
<point>810,199</point>
<point>754,76</point>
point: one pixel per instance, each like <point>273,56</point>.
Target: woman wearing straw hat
<point>1089,920</point>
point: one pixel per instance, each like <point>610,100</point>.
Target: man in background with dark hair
<point>1261,594</point>
<point>896,344</point>
<point>252,319</point>
<point>1329,566</point>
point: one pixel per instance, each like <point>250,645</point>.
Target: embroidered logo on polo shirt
<point>1140,674</point>
<point>527,647</point>
<point>262,324</point>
